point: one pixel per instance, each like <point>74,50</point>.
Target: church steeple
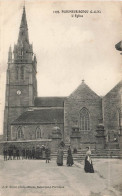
<point>23,50</point>
<point>10,55</point>
<point>23,32</point>
<point>23,21</point>
<point>21,87</point>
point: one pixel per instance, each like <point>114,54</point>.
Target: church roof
<point>41,116</point>
<point>49,101</point>
<point>83,90</point>
<point>115,89</point>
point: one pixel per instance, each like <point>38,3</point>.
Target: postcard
<point>60,98</point>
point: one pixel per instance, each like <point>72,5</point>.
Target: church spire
<point>23,20</point>
<point>10,55</point>
<point>23,50</point>
<point>23,32</point>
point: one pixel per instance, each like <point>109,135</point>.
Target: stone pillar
<point>56,138</point>
<point>75,137</point>
<point>100,137</point>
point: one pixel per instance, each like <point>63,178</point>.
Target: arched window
<point>22,72</point>
<point>20,133</point>
<point>84,119</point>
<point>38,133</point>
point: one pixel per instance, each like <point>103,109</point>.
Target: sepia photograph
<point>60,98</point>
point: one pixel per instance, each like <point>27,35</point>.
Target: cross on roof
<point>83,81</point>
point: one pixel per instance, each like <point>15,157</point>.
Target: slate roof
<point>49,101</point>
<point>41,116</point>
<point>115,89</point>
<point>82,89</point>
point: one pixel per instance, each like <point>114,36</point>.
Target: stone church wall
<point>29,131</point>
<point>73,105</point>
<point>111,111</point>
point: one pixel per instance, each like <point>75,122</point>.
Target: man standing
<point>33,153</point>
<point>17,153</point>
<point>10,153</point>
<point>14,153</point>
<point>27,153</point>
<point>23,153</point>
<point>5,154</point>
<point>47,154</point>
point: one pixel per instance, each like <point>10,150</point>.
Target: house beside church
<point>73,119</point>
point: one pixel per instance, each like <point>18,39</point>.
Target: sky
<point>68,49</point>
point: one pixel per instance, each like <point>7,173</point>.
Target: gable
<point>83,92</point>
<point>114,91</point>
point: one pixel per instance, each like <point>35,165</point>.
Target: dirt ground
<point>35,177</point>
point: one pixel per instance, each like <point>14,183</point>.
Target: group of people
<point>88,166</point>
<point>13,152</point>
<point>44,153</point>
<point>60,157</point>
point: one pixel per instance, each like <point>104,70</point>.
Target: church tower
<point>21,84</point>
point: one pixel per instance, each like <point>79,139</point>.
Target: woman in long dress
<point>43,152</point>
<point>88,162</point>
<point>69,157</point>
<point>60,157</point>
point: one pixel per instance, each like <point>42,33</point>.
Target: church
<point>75,119</point>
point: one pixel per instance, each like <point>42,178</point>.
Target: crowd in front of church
<point>44,153</point>
<point>14,153</point>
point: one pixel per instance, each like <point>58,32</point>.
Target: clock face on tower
<point>18,92</point>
